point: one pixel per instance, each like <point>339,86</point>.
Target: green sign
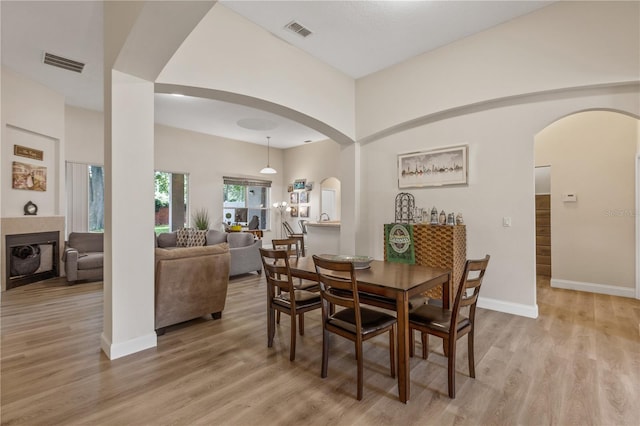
<point>399,240</point>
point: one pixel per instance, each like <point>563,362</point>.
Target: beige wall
<point>84,135</point>
<point>592,154</point>
<point>32,116</point>
<point>566,44</point>
<point>313,162</point>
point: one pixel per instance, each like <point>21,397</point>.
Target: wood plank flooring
<point>577,364</point>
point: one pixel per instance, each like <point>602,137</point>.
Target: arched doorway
<point>592,157</point>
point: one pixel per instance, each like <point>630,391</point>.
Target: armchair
<point>83,256</point>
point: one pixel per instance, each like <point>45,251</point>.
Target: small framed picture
<point>290,187</point>
<point>304,211</point>
<point>299,184</point>
<point>294,211</point>
<point>304,197</point>
<point>293,198</point>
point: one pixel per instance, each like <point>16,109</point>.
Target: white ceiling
<point>355,37</point>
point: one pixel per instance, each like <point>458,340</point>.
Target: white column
<point>129,216</point>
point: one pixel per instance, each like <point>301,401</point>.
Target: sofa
<point>190,282</point>
<point>244,248</point>
<point>83,256</point>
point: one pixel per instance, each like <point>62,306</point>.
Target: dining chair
<point>282,296</point>
<point>338,287</point>
<point>290,234</point>
<point>450,325</point>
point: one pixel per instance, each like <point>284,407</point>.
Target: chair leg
<point>472,363</point>
<point>452,368</point>
<point>278,317</point>
<point>412,344</point>
<point>425,345</point>
<point>392,349</point>
<point>292,349</point>
<point>325,353</point>
<point>271,328</point>
<point>301,324</point>
<point>360,368</point>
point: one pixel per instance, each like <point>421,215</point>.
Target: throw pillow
<point>198,237</point>
<point>182,237</point>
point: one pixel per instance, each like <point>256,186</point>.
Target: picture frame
<point>304,211</point>
<point>293,198</point>
<point>29,177</point>
<point>304,197</point>
<point>294,211</point>
<point>290,187</point>
<point>439,167</point>
<point>299,184</point>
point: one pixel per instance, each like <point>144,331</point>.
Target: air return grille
<point>298,29</point>
<point>60,62</point>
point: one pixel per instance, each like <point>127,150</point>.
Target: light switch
<point>506,221</point>
<point>569,197</point>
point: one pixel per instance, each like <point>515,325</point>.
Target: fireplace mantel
<point>25,225</point>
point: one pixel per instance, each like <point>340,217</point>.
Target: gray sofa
<point>243,247</point>
<point>83,256</point>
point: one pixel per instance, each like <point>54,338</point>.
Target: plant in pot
<point>228,216</point>
<point>201,219</point>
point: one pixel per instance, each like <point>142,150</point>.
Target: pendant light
<point>268,170</point>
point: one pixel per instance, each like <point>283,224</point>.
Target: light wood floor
<point>577,364</point>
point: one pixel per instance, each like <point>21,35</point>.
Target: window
<point>171,201</point>
<point>245,201</point>
<point>85,197</point>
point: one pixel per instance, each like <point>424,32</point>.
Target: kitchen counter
<point>323,237</point>
<point>329,224</point>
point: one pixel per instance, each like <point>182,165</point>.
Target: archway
<point>594,191</point>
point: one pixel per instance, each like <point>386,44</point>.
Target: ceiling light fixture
<point>268,170</point>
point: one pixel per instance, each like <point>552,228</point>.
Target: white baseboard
<point>129,347</point>
<point>611,290</point>
<point>529,311</point>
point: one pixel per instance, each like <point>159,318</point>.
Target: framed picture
<point>293,198</point>
<point>294,211</point>
<point>28,176</point>
<point>304,197</point>
<point>304,211</point>
<point>290,187</point>
<point>437,167</point>
<point>299,184</point>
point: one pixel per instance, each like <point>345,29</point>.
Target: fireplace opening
<point>31,257</point>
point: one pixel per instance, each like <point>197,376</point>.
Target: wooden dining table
<point>390,286</point>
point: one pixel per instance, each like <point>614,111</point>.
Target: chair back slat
<point>338,284</point>
<point>469,289</point>
<point>290,245</point>
<point>277,270</point>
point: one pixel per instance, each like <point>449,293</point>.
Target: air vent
<point>298,29</point>
<point>64,63</point>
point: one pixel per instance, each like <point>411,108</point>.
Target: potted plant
<point>228,216</point>
<point>201,219</point>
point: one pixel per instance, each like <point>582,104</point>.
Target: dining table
<point>390,285</point>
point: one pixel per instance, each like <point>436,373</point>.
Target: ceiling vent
<point>64,63</point>
<point>298,29</point>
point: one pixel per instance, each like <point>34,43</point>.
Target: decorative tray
<point>359,262</point>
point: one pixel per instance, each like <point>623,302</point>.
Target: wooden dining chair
<point>282,296</point>
<point>450,325</point>
<point>296,236</point>
<point>338,287</point>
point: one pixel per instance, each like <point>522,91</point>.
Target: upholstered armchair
<point>83,256</point>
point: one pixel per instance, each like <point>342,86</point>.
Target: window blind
<point>228,180</point>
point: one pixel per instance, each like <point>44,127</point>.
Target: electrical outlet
<point>506,221</point>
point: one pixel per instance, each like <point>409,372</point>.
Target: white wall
<point>32,116</point>
<point>229,53</point>
<point>313,162</point>
<point>207,159</point>
<point>84,135</point>
<point>592,154</point>
<point>501,183</point>
<point>566,44</point>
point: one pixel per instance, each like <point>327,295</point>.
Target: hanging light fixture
<point>268,170</point>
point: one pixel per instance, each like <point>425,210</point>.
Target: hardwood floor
<point>578,363</point>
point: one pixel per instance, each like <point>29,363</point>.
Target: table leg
<point>402,309</point>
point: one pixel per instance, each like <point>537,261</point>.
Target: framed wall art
<point>294,211</point>
<point>433,168</point>
<point>29,176</point>
<point>304,211</point>
<point>293,198</point>
<point>299,184</point>
<point>304,197</point>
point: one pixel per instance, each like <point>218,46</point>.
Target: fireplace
<point>31,257</point>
